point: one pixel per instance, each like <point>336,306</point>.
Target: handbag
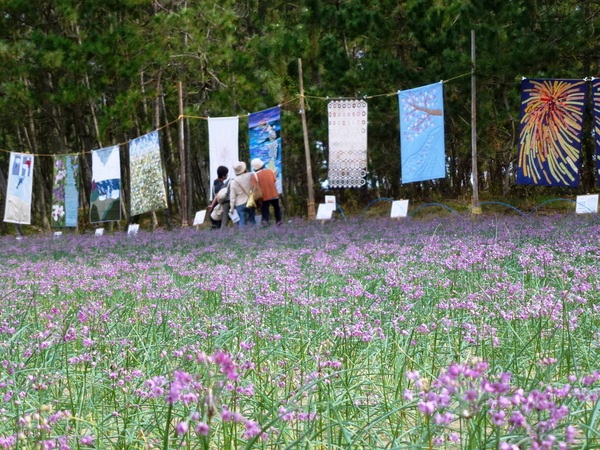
<point>251,203</point>
<point>217,212</point>
<point>256,191</point>
<point>223,194</point>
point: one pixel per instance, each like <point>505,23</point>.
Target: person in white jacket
<point>239,193</point>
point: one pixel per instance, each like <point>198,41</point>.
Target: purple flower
<point>87,440</point>
<point>182,428</point>
<point>427,408</point>
<point>202,429</point>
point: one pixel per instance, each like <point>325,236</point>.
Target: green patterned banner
<point>147,184</point>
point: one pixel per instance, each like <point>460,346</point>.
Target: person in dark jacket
<point>218,184</point>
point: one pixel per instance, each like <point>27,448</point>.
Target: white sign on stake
<point>399,209</point>
<point>324,212</point>
<point>587,204</point>
<point>133,229</point>
<point>199,218</point>
<point>330,199</point>
<point>99,232</point>
<point>57,234</point>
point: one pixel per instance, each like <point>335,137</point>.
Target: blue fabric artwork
<point>422,133</point>
<point>264,129</point>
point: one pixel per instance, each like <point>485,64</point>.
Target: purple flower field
<point>460,332</point>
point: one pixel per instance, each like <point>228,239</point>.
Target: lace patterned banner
<point>347,143</point>
<point>550,132</point>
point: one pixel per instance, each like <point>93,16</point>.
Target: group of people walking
<point>239,191</point>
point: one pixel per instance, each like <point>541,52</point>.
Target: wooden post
<point>476,209</point>
<point>311,194</point>
<point>182,162</point>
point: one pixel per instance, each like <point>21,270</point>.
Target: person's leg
<point>277,210</point>
<point>226,219</point>
<point>264,209</point>
<point>251,218</point>
<point>241,210</point>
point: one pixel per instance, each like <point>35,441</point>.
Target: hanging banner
<point>65,191</point>
<point>147,185</point>
<point>223,144</point>
<point>105,198</point>
<point>347,143</point>
<point>596,101</point>
<point>550,132</point>
<point>19,188</point>
<point>264,130</point>
<point>422,133</point>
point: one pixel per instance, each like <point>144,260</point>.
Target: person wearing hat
<point>268,185</point>
<point>239,193</point>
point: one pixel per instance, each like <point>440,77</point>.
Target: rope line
<point>185,116</point>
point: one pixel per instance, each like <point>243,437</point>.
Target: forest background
<point>81,75</point>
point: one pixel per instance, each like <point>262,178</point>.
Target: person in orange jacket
<point>267,182</point>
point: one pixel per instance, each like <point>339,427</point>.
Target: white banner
<point>223,144</point>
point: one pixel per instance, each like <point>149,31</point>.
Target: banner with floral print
<point>65,192</point>
<point>147,185</point>
<point>19,188</point>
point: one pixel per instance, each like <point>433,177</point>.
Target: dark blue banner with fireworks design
<point>550,132</point>
<point>596,100</point>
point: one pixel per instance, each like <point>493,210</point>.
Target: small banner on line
<point>19,188</point>
<point>105,198</point>
<point>147,183</point>
<point>264,132</point>
<point>65,192</point>
<point>550,132</point>
<point>347,143</point>
<point>423,153</point>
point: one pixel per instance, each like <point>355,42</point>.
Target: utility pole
<point>182,162</point>
<point>476,209</point>
<point>311,194</point>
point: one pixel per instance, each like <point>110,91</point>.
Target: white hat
<point>257,164</point>
<point>239,167</point>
